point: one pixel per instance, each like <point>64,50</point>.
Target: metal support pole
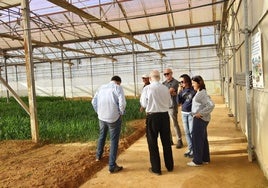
<point>227,76</point>
<point>221,73</point>
<point>162,67</point>
<point>29,69</point>
<point>63,75</point>
<point>5,62</point>
<point>51,78</point>
<point>113,67</point>
<point>134,70</point>
<point>248,95</point>
<point>91,74</point>
<point>189,58</point>
<point>71,78</point>
<point>17,78</point>
<point>227,70</point>
<point>234,66</point>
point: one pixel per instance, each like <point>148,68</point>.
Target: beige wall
<point>258,96</point>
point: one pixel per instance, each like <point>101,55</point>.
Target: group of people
<point>160,101</point>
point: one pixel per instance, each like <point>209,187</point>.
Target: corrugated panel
<point>9,3</point>
<point>158,24</point>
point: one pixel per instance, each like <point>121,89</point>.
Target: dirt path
<point>25,164</point>
<point>229,165</point>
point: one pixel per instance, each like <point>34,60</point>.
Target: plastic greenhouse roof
<point>108,28</point>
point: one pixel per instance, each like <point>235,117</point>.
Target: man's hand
<point>180,88</point>
<point>142,109</point>
<point>172,91</point>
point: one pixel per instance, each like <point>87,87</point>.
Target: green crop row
<point>59,120</point>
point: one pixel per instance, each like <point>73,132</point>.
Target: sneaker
<point>97,159</point>
<point>116,169</point>
<point>157,173</point>
<point>193,164</point>
<point>179,144</point>
<point>205,163</point>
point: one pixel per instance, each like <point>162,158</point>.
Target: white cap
<point>145,76</point>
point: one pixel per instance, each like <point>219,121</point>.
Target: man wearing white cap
<point>145,79</point>
<point>146,82</point>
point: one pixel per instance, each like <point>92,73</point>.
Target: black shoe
<point>179,144</point>
<point>190,155</point>
<point>116,169</point>
<point>157,173</point>
<point>187,154</point>
<point>170,170</point>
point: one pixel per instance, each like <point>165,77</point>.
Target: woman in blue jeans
<point>185,96</point>
<point>202,107</point>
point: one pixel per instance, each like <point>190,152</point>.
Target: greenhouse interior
<point>69,48</point>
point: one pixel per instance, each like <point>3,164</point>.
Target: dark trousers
<point>158,123</point>
<point>200,141</point>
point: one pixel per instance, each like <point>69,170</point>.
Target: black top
<point>185,99</point>
<point>173,84</point>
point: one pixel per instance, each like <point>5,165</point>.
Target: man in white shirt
<point>156,101</point>
<point>110,103</point>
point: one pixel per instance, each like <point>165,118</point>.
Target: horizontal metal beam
<point>64,4</point>
<point>167,29</point>
<point>61,47</point>
<point>125,53</point>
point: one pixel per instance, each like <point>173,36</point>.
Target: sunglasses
<point>165,74</point>
<point>181,82</point>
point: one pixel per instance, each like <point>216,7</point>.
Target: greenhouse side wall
<point>83,78</point>
<point>258,95</point>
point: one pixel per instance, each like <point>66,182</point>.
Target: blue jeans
<point>114,131</point>
<point>187,120</point>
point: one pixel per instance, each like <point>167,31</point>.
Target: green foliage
<point>59,120</point>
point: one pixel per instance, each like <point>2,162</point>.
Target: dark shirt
<point>173,84</point>
<point>185,98</point>
<point>146,84</point>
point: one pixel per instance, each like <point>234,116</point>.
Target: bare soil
<point>26,164</point>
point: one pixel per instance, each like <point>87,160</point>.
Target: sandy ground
<point>229,165</point>
<point>25,164</point>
